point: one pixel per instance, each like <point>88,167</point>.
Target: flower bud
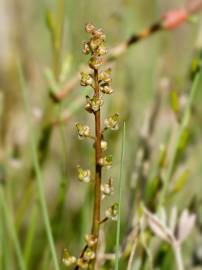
<point>99,33</point>
<point>112,122</point>
<point>90,239</point>
<point>67,259</point>
<point>106,161</point>
<point>89,27</point>
<point>86,79</point>
<point>83,131</point>
<point>104,145</point>
<point>82,263</point>
<point>112,211</point>
<point>84,175</point>
<point>107,188</point>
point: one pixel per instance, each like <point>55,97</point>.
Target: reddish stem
<point>98,168</point>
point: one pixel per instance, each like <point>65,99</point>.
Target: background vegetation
<point>41,49</point>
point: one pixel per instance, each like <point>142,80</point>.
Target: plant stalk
<point>178,256</point>
<point>98,168</point>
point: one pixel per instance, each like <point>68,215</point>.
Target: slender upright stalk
<point>178,256</point>
<point>99,80</point>
<point>98,168</point>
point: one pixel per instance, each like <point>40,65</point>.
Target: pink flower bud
<point>172,19</point>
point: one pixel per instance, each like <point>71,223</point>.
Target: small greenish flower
<point>95,62</point>
<point>105,76</point>
<point>104,145</point>
<point>106,89</point>
<point>99,33</point>
<point>82,263</point>
<point>107,188</point>
<point>89,28</point>
<point>86,79</point>
<point>89,254</point>
<point>106,161</point>
<point>93,104</point>
<point>112,212</point>
<point>84,175</point>
<point>83,131</point>
<point>95,43</point>
<point>90,239</point>
<point>101,50</point>
<point>67,259</point>
<point>112,122</point>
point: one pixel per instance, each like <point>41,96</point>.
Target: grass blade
<point>11,227</point>
<point>120,197</point>
<point>39,176</point>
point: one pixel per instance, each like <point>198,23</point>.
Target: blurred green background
<point>151,68</point>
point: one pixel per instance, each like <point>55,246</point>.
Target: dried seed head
<point>86,79</point>
<point>83,131</point>
<point>90,239</point>
<point>112,122</point>
<point>106,161</point>
<point>112,212</point>
<point>67,259</point>
<point>82,263</point>
<point>84,175</point>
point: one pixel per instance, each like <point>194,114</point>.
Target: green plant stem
<point>120,199</point>
<point>183,126</point>
<point>38,173</point>
<point>30,235</point>
<point>98,168</point>
<point>11,227</point>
